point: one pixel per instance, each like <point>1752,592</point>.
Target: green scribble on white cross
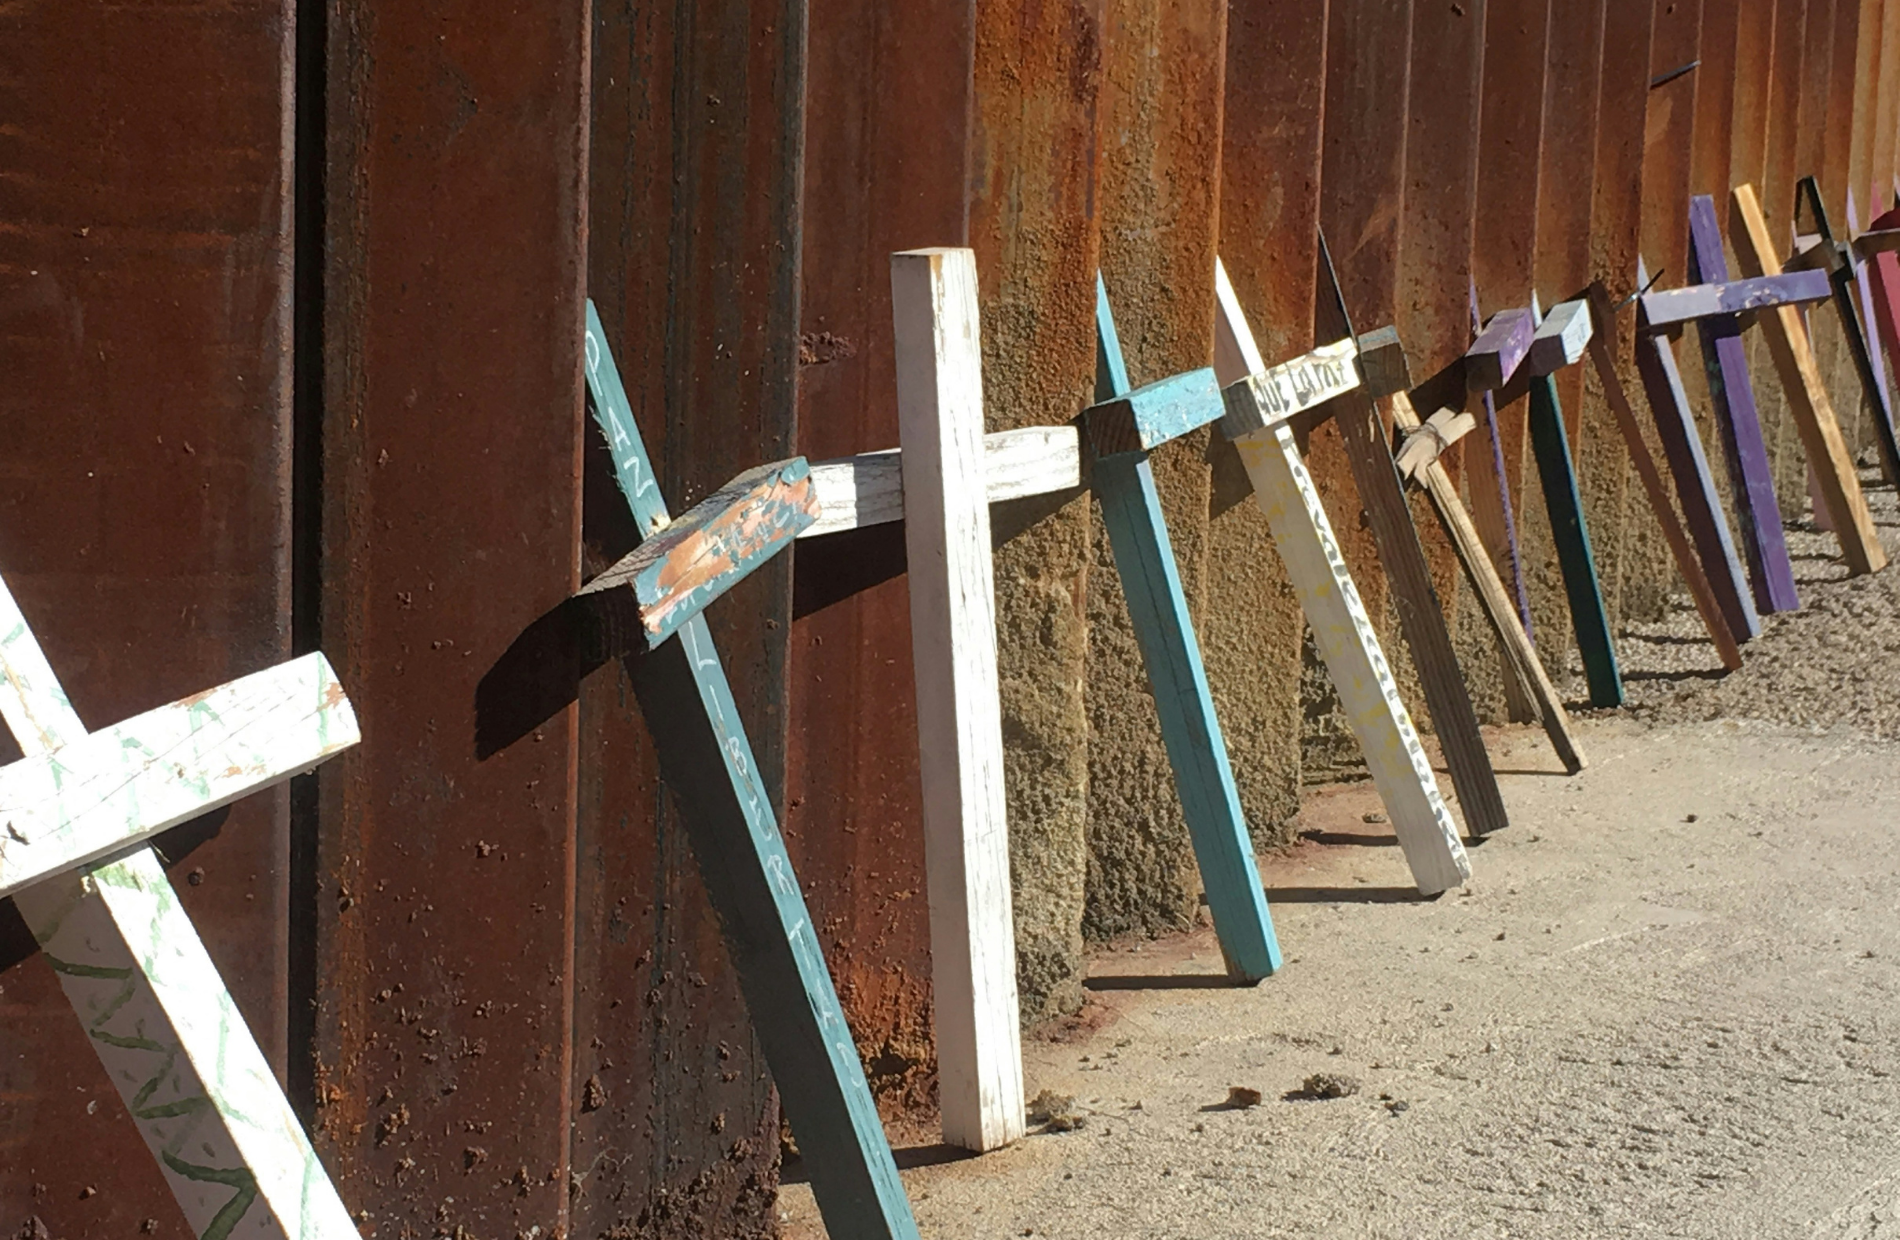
<point>125,953</point>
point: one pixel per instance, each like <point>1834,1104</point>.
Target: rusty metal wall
<point>145,431</point>
<point>886,164</point>
<point>1034,219</point>
<point>1269,207</point>
<point>1158,188</point>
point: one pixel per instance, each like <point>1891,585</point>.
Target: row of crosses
<point>77,810</point>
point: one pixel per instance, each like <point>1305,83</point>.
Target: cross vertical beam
<point>1842,271</point>
<point>1421,617</point>
<point>1707,605</point>
<point>155,1010</point>
<point>1733,394</point>
<point>1689,466</point>
<point>707,762</point>
<point>946,511</point>
<point>1807,396</point>
<point>1164,630</point>
<point>1341,628</point>
<point>1589,620</point>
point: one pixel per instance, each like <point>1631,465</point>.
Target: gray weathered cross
<point>156,1011</point>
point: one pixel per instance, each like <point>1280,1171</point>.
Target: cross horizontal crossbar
<point>1560,339</point>
<point>1149,416</point>
<point>1499,349</point>
<point>1668,309</point>
<point>124,784</point>
<point>718,543</point>
<point>868,489</point>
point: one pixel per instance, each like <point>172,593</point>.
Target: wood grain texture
<point>1151,415</point>
<point>1171,654</point>
<point>708,762</point>
<point>1669,309</point>
<point>1807,397</point>
<point>1491,502</point>
<point>165,1027</point>
<point>1429,440</point>
<point>1589,618</point>
<point>1654,489</point>
<point>1732,393</point>
<point>959,711</point>
<point>718,543</point>
<point>868,489</point>
<point>1695,486</point>
<point>1494,600</point>
<point>1561,338</point>
<point>124,784</point>
<point>1341,627</point>
<point>1421,617</point>
<point>1499,349</point>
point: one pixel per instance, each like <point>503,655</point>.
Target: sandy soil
<point>1666,1004</point>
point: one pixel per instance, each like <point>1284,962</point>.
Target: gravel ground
<point>1833,664</point>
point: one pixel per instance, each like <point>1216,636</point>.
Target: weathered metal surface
<point>1158,192</point>
<point>1628,539</point>
<point>1838,121</point>
<point>1669,140</point>
<point>1269,187</point>
<point>725,538</point>
<point>1503,256</point>
<point>1566,165</point>
<point>1716,90</point>
<point>1753,67</point>
<point>1033,224</point>
<point>694,181</point>
<point>1865,89</point>
<point>452,416</point>
<point>1434,268</point>
<point>887,134</point>
<point>1362,199</point>
<point>146,254</point>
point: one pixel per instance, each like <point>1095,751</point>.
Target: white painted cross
<point>152,1003</point>
<point>1341,627</point>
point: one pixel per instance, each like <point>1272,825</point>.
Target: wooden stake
<point>1421,617</point>
<point>1493,598</point>
<point>1341,628</point>
<point>164,1026</point>
<point>1689,466</point>
<point>1732,393</point>
<point>1171,653</point>
<point>1653,487</point>
<point>959,709</point>
<point>707,763</point>
<point>1807,396</point>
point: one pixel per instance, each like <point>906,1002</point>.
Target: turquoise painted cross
<point>127,957</point>
<point>1121,429</point>
<point>708,764</point>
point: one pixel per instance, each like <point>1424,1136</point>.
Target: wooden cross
<point>1121,429</point>
<point>1257,422</point>
<point>1519,352</point>
<point>1879,274</point>
<point>1732,394</point>
<point>1807,397</point>
<point>127,957</point>
<point>1421,617</point>
<point>707,762</point>
<point>1837,259</point>
<point>1863,278</point>
<point>1708,606</point>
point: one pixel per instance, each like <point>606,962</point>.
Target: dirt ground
<point>1665,1005</point>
